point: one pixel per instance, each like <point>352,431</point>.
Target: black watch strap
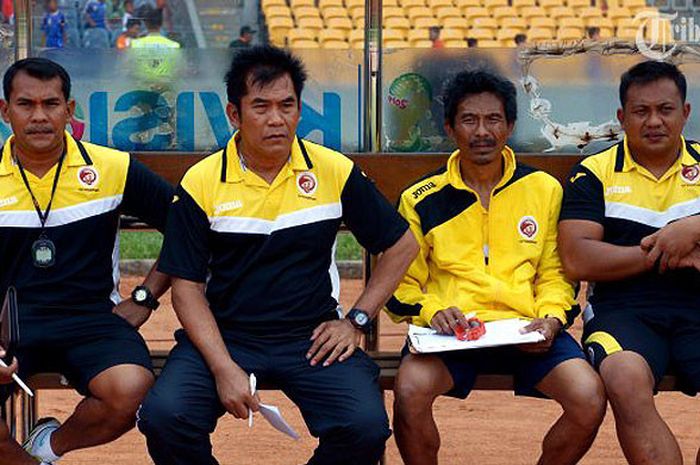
<point>142,295</point>
<point>360,319</point>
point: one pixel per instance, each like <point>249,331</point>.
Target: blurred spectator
<point>593,33</point>
<point>520,40</point>
<point>472,42</point>
<point>128,13</point>
<point>244,38</point>
<point>153,18</point>
<point>167,14</point>
<point>133,29</point>
<point>95,14</point>
<point>434,36</point>
<point>53,26</point>
<point>114,13</point>
<point>8,11</point>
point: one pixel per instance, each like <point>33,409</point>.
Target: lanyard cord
<point>43,216</point>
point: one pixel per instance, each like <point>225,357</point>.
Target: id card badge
<point>43,252</point>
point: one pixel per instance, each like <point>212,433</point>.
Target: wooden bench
<point>392,173</point>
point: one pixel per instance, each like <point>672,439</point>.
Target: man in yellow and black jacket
<point>487,231</point>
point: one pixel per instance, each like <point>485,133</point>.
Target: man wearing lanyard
<point>60,202</point>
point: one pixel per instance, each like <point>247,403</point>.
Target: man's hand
<point>445,321</point>
<point>135,314</point>
<point>339,338</point>
<point>6,373</point>
<point>692,260</point>
<point>233,388</point>
<point>548,327</point>
<point>671,243</point>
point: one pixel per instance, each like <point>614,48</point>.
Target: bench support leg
<point>29,409</point>
<point>9,412</point>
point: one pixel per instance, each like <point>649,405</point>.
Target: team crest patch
<point>88,176</point>
<point>527,227</point>
<point>691,174</point>
<point>307,183</point>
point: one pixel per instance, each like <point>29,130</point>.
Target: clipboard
<point>9,325</point>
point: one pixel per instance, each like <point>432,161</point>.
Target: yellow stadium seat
<point>484,23</point>
<point>561,12</point>
<point>647,10</point>
<point>353,5</point>
<point>301,34</point>
<point>490,44</point>
<point>356,35</point>
<point>530,12</point>
<point>422,43</point>
<point>335,45</point>
<point>358,45</point>
<point>625,22</point>
<point>504,11</point>
<point>397,23</point>
<point>419,12</point>
<point>516,23</point>
<point>455,44</point>
<point>304,43</point>
<point>299,3</point>
<point>359,22</point>
<point>547,4</point>
<point>357,13</point>
<point>323,4</point>
<point>659,31</point>
<point>392,12</point>
<point>506,34</point>
<point>462,4</point>
<point>396,44</point>
<point>331,34</point>
<point>339,23</point>
<point>575,4</point>
<point>491,4</point>
<point>454,23</point>
<point>411,3</point>
<point>589,12</point>
<point>310,23</point>
<point>536,34</point>
<point>471,12</point>
<point>265,4</point>
<point>334,12</point>
<point>446,12</point>
<point>452,34</point>
<point>275,11</point>
<point>439,3</point>
<point>634,4</point>
<point>620,12</point>
<point>569,33</point>
<point>599,21</point>
<point>306,12</point>
<point>518,4</point>
<point>480,34</point>
<point>386,3</point>
<point>540,22</point>
<point>278,29</point>
<point>571,22</point>
<point>394,34</point>
<point>417,34</point>
<point>626,33</point>
<point>425,22</point>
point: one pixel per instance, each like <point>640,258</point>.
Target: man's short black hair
<point>261,65</point>
<point>468,83</point>
<point>650,71</point>
<point>152,17</point>
<point>131,22</point>
<point>520,38</point>
<point>39,68</point>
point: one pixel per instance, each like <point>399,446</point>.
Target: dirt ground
<point>489,428</point>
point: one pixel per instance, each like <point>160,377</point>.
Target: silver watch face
<point>361,319</point>
<point>140,295</point>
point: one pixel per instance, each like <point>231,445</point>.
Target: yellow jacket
<point>500,263</point>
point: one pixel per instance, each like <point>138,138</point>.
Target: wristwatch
<point>141,295</point>
<point>359,319</point>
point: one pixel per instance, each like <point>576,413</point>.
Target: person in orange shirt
<point>133,29</point>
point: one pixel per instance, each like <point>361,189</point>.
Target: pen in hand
<point>253,386</point>
<point>17,379</point>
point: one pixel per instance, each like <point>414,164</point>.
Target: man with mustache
<point>630,224</point>
<point>60,202</point>
<point>487,230</point>
<point>250,244</point>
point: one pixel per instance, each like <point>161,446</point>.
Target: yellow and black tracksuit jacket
<point>96,184</point>
<point>500,263</point>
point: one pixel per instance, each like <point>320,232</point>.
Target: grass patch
<point>146,244</point>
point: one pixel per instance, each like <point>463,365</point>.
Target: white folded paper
<point>274,417</point>
<point>498,333</point>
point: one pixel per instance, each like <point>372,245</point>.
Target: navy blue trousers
<point>341,404</point>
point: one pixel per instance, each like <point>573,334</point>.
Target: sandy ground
<point>489,428</point>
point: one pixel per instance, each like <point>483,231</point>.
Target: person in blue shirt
<point>54,25</point>
<point>95,14</point>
